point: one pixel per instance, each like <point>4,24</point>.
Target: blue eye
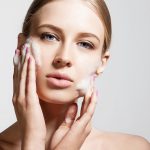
<point>86,45</point>
<point>49,37</point>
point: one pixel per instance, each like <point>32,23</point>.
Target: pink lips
<point>59,80</point>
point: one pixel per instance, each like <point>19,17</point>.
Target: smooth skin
<point>36,127</point>
<point>73,135</point>
<point>31,119</point>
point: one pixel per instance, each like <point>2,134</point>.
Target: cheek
<point>87,69</point>
<point>36,52</point>
<point>88,66</point>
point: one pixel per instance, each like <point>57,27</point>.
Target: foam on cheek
<point>35,51</point>
<point>25,46</point>
<point>83,86</point>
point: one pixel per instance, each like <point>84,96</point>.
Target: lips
<point>59,80</point>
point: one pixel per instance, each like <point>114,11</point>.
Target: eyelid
<point>48,33</point>
<point>88,42</point>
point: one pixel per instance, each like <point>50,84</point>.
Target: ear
<point>104,59</point>
<point>21,40</point>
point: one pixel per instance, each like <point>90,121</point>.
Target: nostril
<point>69,64</point>
<point>58,61</point>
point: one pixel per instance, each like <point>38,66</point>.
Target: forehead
<point>71,16</point>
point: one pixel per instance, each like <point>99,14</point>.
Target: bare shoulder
<point>118,141</point>
<point>9,137</point>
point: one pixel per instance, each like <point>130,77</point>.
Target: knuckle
<point>14,100</point>
<point>19,104</point>
<point>20,100</point>
<point>20,97</point>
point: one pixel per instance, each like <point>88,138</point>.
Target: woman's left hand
<point>72,133</point>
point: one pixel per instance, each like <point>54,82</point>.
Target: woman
<point>60,52</point>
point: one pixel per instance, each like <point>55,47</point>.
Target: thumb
<point>71,114</point>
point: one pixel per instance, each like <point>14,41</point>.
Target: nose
<point>63,58</point>
<point>60,62</point>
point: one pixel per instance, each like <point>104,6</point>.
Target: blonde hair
<point>99,5</point>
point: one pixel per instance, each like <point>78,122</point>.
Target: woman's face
<point>70,36</point>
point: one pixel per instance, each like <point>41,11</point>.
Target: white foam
<point>16,59</point>
<point>83,85</point>
<point>35,51</point>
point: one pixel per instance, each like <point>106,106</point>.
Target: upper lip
<point>59,76</point>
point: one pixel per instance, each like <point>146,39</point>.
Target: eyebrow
<point>57,29</point>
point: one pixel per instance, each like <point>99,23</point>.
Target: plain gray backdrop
<point>124,101</point>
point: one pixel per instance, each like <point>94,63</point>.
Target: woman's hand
<point>72,133</point>
<point>26,102</point>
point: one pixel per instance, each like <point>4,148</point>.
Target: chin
<point>58,96</point>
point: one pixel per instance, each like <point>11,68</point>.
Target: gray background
<point>124,102</point>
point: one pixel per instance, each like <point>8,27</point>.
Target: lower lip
<point>60,83</point>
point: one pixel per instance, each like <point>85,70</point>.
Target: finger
<point>86,99</point>
<point>82,122</point>
<point>24,49</point>
<point>85,102</point>
<point>22,87</point>
<point>31,81</point>
<point>18,74</point>
<point>15,73</point>
<point>92,104</point>
<point>71,115</point>
<point>23,53</point>
<point>15,62</point>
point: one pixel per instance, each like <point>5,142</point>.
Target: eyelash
<point>90,46</point>
<point>43,36</point>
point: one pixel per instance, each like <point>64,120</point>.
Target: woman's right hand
<point>72,132</point>
<point>26,103</point>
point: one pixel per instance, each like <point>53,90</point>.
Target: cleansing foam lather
<point>84,84</point>
<point>34,50</point>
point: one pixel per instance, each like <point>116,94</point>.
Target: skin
<point>41,116</point>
